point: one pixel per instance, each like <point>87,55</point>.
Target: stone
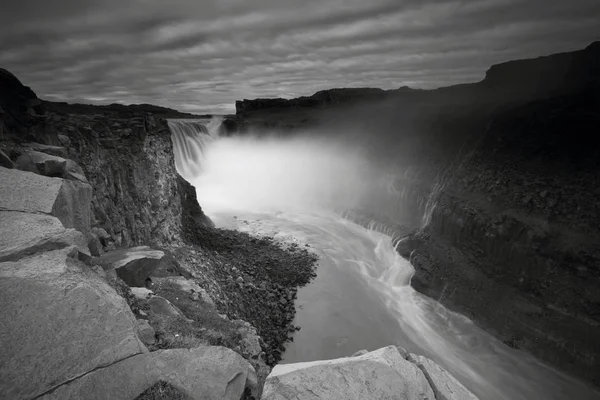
<point>360,353</point>
<point>95,246</point>
<point>146,333</point>
<point>161,306</point>
<point>98,269</point>
<point>42,163</point>
<point>142,293</point>
<point>69,201</point>
<point>380,374</point>
<point>188,285</point>
<point>444,385</point>
<point>205,372</point>
<point>23,234</point>
<point>5,161</point>
<point>134,265</point>
<point>64,140</point>
<point>44,148</point>
<point>169,266</point>
<point>59,321</point>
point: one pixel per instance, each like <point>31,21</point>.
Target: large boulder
<point>444,385</point>
<point>67,200</point>
<point>380,374</point>
<point>134,265</point>
<point>206,372</point>
<point>60,321</point>
<point>50,165</point>
<point>23,234</point>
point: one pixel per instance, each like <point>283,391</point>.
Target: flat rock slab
<point>69,201</point>
<point>378,375</point>
<point>59,321</point>
<point>44,148</point>
<point>28,192</point>
<point>444,385</point>
<point>133,265</point>
<point>203,373</point>
<point>23,234</point>
<point>161,306</point>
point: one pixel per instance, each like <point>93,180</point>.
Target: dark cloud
<point>202,56</point>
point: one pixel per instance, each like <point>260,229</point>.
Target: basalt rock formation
<point>499,181</point>
<point>79,186</point>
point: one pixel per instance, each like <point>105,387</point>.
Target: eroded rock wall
<point>138,195</point>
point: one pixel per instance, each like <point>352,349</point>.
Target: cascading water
<point>190,138</point>
<point>293,189</point>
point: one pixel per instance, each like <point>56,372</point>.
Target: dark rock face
<point>319,99</point>
<point>20,108</point>
<point>128,159</point>
<point>504,185</point>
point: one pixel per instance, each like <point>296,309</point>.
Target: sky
<point>202,55</point>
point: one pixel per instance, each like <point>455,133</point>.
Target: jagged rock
<point>69,201</point>
<point>59,321</point>
<point>380,374</point>
<point>444,385</point>
<point>5,161</point>
<point>360,353</point>
<point>23,234</point>
<point>206,372</point>
<point>134,266</point>
<point>146,333</point>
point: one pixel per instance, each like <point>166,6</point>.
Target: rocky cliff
<point>499,180</point>
<point>81,185</point>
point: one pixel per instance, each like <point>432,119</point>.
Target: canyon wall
<point>499,182</point>
<point>127,156</point>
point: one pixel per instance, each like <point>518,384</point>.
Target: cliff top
<point>517,79</point>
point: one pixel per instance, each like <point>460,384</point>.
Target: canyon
<point>114,276</point>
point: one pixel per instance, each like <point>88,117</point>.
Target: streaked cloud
<point>202,56</point>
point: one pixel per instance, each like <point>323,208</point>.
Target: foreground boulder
<point>60,321</point>
<point>24,234</point>
<point>203,373</point>
<point>134,265</point>
<point>380,374</point>
<point>28,192</point>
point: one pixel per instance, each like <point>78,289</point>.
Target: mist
<point>269,173</point>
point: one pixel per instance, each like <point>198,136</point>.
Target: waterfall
<point>190,138</point>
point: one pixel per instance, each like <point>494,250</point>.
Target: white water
<point>362,296</point>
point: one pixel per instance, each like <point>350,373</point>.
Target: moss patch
<point>162,390</point>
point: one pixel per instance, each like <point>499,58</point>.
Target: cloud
<point>202,56</point>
